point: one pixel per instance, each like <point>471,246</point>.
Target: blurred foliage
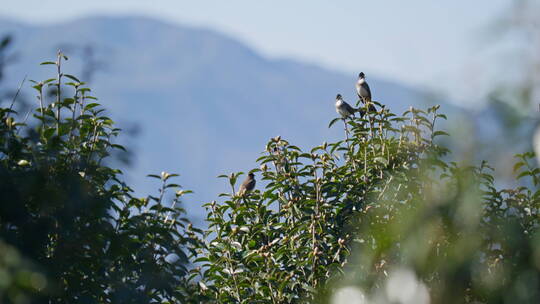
<point>74,219</point>
<point>4,45</point>
<point>464,239</point>
<point>514,82</point>
<point>20,280</point>
<point>519,25</point>
<point>7,56</point>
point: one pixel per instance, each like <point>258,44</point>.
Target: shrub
<point>64,209</point>
<point>389,195</point>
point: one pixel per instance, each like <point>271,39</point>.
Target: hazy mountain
<point>205,103</point>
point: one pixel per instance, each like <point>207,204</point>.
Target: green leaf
<point>91,106</point>
<point>48,133</point>
<point>72,77</point>
<point>333,122</point>
<point>118,147</point>
<point>438,133</point>
<point>442,116</point>
<point>68,101</point>
<point>524,174</point>
<point>517,166</point>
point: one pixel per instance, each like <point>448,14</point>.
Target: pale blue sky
<point>425,43</point>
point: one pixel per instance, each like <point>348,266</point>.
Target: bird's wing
<point>247,185</point>
<point>348,108</point>
<point>365,86</point>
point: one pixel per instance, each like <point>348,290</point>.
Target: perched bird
<point>248,184</point>
<point>343,108</point>
<point>362,88</point>
<point>363,91</point>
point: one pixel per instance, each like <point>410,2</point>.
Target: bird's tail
<point>361,111</point>
<point>371,106</point>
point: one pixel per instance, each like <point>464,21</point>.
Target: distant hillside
<point>206,104</point>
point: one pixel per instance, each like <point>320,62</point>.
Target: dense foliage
<point>70,214</point>
<point>381,215</point>
<point>388,194</point>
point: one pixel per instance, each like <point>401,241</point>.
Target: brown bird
<point>248,184</point>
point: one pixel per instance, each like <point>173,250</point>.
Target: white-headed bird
<point>363,91</point>
<point>362,88</point>
<point>343,108</point>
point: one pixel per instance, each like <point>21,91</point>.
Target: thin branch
<point>16,95</point>
<point>348,144</point>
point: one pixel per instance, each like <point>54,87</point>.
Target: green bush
<point>73,216</point>
<point>388,195</point>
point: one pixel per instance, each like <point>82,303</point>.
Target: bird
<point>363,91</point>
<point>248,184</point>
<point>343,108</point>
<point>362,88</point>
